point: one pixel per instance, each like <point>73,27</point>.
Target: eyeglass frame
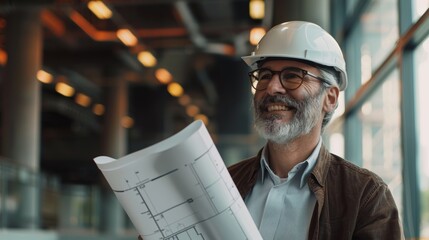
<point>304,73</point>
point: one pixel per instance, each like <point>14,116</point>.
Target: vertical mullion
<point>411,192</point>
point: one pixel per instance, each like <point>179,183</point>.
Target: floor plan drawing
<point>180,189</point>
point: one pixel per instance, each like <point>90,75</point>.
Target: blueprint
<point>179,189</point>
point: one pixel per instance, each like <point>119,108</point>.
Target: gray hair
<point>331,76</point>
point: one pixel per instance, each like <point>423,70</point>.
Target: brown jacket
<point>352,202</point>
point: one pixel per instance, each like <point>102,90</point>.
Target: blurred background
<point>81,78</point>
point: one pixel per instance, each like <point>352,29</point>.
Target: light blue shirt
<point>282,208</point>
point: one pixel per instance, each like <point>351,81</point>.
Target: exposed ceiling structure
<point>199,41</point>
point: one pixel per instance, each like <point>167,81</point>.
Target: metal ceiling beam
<point>191,24</point>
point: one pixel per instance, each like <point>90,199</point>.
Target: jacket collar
<point>320,171</point>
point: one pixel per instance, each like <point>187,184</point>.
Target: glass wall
<point>379,34</point>
<point>419,8</point>
<point>381,137</point>
<point>422,73</point>
<point>386,101</point>
<point>18,188</point>
<point>350,6</point>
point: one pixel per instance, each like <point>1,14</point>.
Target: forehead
<point>277,64</point>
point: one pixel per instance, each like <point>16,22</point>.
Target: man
<point>294,188</point>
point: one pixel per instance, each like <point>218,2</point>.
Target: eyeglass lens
<point>290,78</point>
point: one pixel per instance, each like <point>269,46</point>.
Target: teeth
<point>277,108</point>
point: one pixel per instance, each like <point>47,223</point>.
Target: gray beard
<point>307,114</point>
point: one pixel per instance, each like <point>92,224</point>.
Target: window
<point>422,73</point>
<point>372,128</point>
<point>381,136</point>
<point>419,8</point>
<point>350,5</point>
<point>379,34</point>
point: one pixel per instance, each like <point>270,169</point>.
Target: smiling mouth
<point>272,108</point>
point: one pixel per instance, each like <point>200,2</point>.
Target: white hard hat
<point>301,40</point>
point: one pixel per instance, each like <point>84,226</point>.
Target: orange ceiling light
<point>146,58</point>
<point>192,110</point>
<point>100,9</point>
<point>257,9</point>
<point>83,99</point>
<point>127,37</point>
<point>64,89</point>
<point>127,122</point>
<point>175,89</point>
<point>98,109</point>
<point>202,117</point>
<point>256,34</point>
<point>44,76</point>
<point>163,76</point>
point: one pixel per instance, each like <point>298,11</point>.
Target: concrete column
<point>114,135</point>
<point>21,107</point>
<point>114,145</point>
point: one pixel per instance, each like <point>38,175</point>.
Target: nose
<point>274,86</point>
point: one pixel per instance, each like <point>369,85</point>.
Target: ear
<point>331,99</point>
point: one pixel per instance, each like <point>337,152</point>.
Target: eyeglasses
<point>290,78</point>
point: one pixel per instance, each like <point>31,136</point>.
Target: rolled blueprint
<point>179,189</point>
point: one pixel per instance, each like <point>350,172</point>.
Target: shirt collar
<point>308,166</point>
